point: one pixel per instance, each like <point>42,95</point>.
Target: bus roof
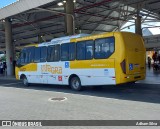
<point>68,37</point>
<point>65,39</point>
<point>75,38</point>
<point>91,37</point>
<point>95,36</point>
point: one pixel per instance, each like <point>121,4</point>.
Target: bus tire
<point>75,84</point>
<point>25,81</point>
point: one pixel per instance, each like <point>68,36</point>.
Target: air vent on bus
<point>123,66</point>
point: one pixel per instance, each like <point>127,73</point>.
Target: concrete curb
<point>7,78</point>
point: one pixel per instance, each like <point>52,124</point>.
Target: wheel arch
<point>22,76</point>
<point>71,76</point>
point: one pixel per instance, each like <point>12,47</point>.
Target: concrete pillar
<point>9,47</point>
<point>138,29</point>
<point>70,19</point>
<point>65,19</point>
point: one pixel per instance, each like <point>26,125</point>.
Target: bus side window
<point>43,54</point>
<point>30,53</point>
<point>89,49</point>
<point>65,52</point>
<point>49,52</point>
<point>37,54</point>
<point>72,51</point>
<point>23,56</point>
<point>99,50</point>
<point>53,53</point>
<point>81,53</point>
<point>68,52</point>
<point>104,47</point>
<point>112,47</point>
<point>57,53</point>
<point>26,56</point>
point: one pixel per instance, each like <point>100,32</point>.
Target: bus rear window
<point>104,47</point>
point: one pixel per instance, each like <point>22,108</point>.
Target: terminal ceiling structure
<point>36,21</point>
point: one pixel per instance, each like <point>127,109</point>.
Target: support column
<point>70,18</point>
<point>65,19</point>
<point>138,29</point>
<point>9,47</point>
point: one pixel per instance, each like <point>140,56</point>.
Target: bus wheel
<point>75,84</point>
<point>25,81</point>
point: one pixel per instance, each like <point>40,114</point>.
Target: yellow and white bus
<point>84,60</point>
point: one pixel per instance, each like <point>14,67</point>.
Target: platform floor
<point>152,76</point>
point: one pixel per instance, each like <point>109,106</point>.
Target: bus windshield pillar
<point>9,46</point>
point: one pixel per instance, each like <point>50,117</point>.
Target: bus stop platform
<point>4,77</point>
<point>152,76</point>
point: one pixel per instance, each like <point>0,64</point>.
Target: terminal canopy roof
<point>32,24</point>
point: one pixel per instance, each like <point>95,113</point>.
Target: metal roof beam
<point>21,6</point>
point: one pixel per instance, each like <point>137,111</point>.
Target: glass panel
<point>30,54</point>
<point>81,51</point>
<point>89,49</point>
<point>65,52</point>
<point>104,47</point>
<point>53,53</point>
<point>37,54</point>
<point>72,51</point>
<point>23,56</point>
<point>43,54</point>
<point>57,53</point>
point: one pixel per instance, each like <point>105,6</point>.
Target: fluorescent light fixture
<point>60,4</point>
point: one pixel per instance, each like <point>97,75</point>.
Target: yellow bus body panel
<point>92,64</point>
<point>129,47</point>
<point>32,67</point>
